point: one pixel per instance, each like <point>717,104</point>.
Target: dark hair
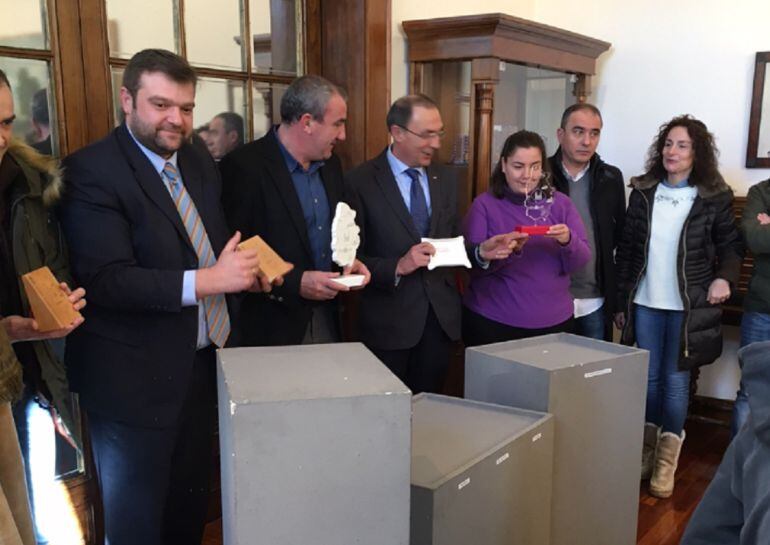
<point>308,95</point>
<point>40,108</point>
<point>156,60</point>
<point>233,122</point>
<point>521,139</point>
<point>4,80</point>
<point>400,112</point>
<point>579,107</point>
<point>705,165</point>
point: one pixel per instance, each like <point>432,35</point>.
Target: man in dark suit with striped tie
<point>148,236</point>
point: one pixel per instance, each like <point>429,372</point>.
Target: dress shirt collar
<point>579,175</point>
<point>398,167</point>
<point>291,162</point>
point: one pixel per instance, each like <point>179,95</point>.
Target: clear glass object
<point>267,106</point>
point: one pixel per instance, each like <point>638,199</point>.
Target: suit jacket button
<point>280,299</point>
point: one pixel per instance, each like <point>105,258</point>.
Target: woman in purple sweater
<point>526,294</point>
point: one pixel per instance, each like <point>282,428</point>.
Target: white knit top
<point>659,287</point>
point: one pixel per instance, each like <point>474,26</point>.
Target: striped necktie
<point>215,306</point>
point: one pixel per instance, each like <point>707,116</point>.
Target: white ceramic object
<point>350,280</point>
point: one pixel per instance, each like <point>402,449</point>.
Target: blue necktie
<point>215,306</point>
<point>418,206</point>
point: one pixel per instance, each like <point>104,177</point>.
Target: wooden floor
<point>661,522</point>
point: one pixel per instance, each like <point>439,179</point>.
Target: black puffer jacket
<point>709,247</point>
<point>608,209</point>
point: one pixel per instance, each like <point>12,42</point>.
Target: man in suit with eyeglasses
<point>411,315</point>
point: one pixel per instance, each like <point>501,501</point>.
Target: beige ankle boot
<point>651,436</point>
<point>666,460</point>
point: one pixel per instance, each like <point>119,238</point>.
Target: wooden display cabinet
<point>492,75</point>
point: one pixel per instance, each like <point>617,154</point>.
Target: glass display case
<point>493,75</point>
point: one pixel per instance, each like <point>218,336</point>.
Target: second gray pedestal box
<point>315,445</point>
<point>481,473</point>
<point>596,392</point>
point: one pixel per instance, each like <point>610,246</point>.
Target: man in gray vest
<point>597,190</point>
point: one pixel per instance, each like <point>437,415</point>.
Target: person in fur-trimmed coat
<point>30,238</point>
<point>679,258</point>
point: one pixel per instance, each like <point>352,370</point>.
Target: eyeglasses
<point>426,136</point>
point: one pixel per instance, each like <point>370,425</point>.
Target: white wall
<point>667,58</point>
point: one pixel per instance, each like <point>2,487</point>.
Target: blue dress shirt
<point>315,207</point>
<point>188,280</point>
<point>404,182</point>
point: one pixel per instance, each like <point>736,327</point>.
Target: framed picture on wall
<point>758,152</point>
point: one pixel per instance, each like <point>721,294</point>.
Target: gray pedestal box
<point>596,392</point>
<point>481,473</point>
<point>315,446</point>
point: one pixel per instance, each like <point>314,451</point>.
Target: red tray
<point>533,229</point>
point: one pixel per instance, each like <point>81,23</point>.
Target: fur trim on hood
<point>29,157</point>
<point>646,182</point>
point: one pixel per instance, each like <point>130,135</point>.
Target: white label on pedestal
<point>502,458</point>
<point>463,484</point>
<point>536,437</point>
<point>599,373</point>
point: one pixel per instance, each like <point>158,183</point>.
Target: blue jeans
<point>660,331</point>
<point>755,327</point>
<point>591,325</point>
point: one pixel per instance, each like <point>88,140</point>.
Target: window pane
<point>133,26</point>
<point>117,81</point>
<point>24,23</point>
<point>534,99</point>
<point>213,98</point>
<point>267,107</point>
<point>33,99</point>
<point>274,35</point>
<point>214,34</point>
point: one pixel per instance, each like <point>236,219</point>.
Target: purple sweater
<point>529,290</point>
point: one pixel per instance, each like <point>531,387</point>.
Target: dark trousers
<point>423,367</point>
<point>155,481</point>
<point>479,330</point>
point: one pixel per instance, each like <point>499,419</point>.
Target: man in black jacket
<point>597,190</point>
<point>285,187</point>
<point>411,314</point>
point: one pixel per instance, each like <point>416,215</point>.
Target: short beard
<point>148,137</point>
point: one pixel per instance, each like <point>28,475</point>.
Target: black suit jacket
<point>259,199</point>
<point>132,358</point>
<point>393,317</point>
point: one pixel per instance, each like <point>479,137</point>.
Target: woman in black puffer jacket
<point>678,257</point>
